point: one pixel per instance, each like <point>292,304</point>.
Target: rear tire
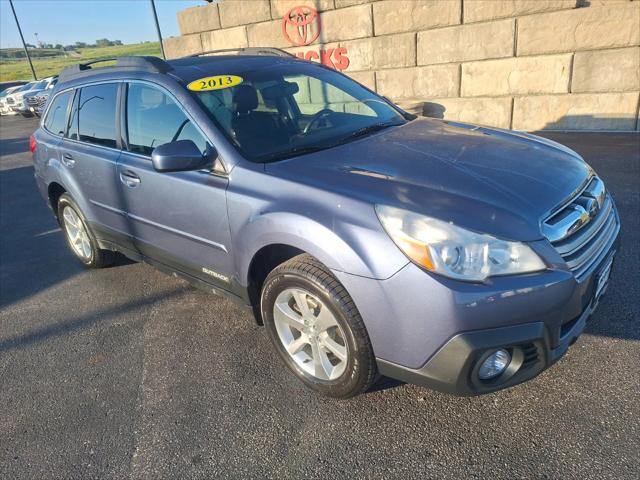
<point>80,239</point>
<point>317,329</point>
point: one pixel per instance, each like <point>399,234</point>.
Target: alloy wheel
<point>77,233</point>
<point>310,334</point>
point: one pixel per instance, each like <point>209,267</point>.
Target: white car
<point>37,100</point>
<point>11,100</point>
<point>5,109</point>
<point>17,99</point>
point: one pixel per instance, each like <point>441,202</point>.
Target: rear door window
<point>93,119</point>
<point>57,114</point>
<point>154,118</point>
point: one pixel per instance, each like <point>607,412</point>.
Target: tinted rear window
<point>57,114</point>
<point>94,115</point>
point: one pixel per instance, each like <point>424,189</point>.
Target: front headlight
<point>452,251</point>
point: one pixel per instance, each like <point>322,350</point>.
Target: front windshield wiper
<point>361,132</point>
<point>316,148</point>
<point>292,153</point>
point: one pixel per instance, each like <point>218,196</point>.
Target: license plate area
<point>602,278</point>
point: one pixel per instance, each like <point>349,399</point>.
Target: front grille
<point>36,101</point>
<point>585,228</point>
<point>10,100</point>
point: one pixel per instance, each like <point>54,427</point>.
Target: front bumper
<point>435,332</point>
<point>453,369</point>
<point>6,110</point>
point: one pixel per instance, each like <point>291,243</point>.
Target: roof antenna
<point>155,17</point>
<point>24,45</point>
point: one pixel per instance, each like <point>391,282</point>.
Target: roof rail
<point>248,51</point>
<point>150,64</point>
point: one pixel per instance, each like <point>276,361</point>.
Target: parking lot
<point>129,373</point>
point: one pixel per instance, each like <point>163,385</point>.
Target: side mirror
<point>178,156</point>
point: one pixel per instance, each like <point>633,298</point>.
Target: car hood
<point>488,180</point>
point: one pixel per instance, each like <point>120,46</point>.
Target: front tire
<point>80,239</point>
<point>317,329</point>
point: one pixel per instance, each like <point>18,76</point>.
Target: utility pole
<point>155,17</point>
<point>24,45</point>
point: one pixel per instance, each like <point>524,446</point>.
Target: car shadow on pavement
<point>11,146</point>
<point>86,321</point>
<point>33,251</point>
<point>385,383</point>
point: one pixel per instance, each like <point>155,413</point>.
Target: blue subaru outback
<point>366,240</point>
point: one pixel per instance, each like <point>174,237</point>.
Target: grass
<point>45,67</point>
<point>11,53</point>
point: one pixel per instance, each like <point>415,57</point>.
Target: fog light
<point>494,365</point>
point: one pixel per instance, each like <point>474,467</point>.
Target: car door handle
<point>129,178</point>
<point>68,160</point>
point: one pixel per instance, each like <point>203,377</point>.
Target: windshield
<point>7,91</point>
<point>24,88</point>
<point>295,108</point>
<point>39,85</point>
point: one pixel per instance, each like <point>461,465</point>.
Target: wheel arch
<point>262,263</point>
<point>274,238</point>
<point>61,181</point>
<point>345,248</point>
<point>54,191</point>
<point>274,234</point>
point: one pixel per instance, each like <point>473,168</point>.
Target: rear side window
<point>57,114</point>
<point>153,119</point>
<point>93,119</point>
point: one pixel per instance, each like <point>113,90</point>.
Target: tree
<point>58,46</point>
<point>103,42</point>
<point>80,45</point>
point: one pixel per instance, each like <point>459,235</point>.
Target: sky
<point>70,21</point>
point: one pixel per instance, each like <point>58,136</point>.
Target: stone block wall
<point>521,64</point>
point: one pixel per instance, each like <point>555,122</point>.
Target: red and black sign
<point>300,27</point>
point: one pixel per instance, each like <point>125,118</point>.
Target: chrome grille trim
<point>572,244</point>
<point>37,102</point>
<point>577,213</point>
<point>582,260</point>
<point>584,228</point>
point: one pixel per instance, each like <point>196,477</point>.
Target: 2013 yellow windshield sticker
<point>217,82</point>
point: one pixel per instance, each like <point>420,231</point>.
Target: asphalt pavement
<point>128,373</point>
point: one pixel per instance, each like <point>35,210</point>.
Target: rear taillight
<point>32,144</point>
